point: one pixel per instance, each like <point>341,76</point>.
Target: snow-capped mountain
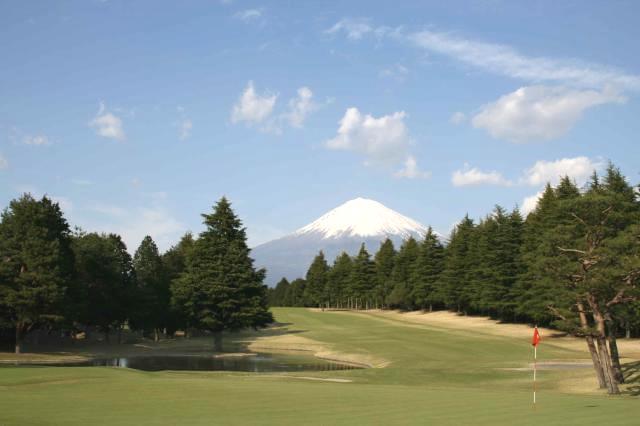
<point>341,229</point>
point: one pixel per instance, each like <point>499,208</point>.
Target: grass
<point>436,375</point>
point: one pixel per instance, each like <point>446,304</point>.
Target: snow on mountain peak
<point>362,217</point>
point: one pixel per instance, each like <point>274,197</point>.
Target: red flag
<point>536,337</point>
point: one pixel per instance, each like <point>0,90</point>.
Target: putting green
<point>435,375</point>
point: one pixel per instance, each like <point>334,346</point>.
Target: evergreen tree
<point>405,260</point>
<point>385,262</point>
<point>294,295</point>
<point>338,282</point>
<point>362,280</point>
<point>174,263</point>
<point>458,266</point>
<point>37,264</point>
<point>426,276</point>
<point>107,280</point>
<point>277,294</point>
<point>153,294</point>
<point>316,281</point>
<point>497,265</point>
<point>535,289</point>
<point>221,290</point>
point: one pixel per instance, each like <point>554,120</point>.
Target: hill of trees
<point>572,264</point>
<point>53,279</point>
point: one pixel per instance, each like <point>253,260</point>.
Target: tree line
<point>54,279</point>
<point>572,264</point>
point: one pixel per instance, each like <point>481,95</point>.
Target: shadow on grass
<point>631,371</point>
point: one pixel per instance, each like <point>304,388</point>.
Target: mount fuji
<point>342,229</point>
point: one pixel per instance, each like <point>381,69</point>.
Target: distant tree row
<point>572,264</point>
<point>54,279</point>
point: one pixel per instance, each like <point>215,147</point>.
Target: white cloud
<point>248,15</point>
<point>539,112</point>
<point>578,168</point>
<point>107,210</point>
<point>354,28</point>
<point>300,107</point>
<point>36,140</point>
<point>383,140</point>
<point>3,162</point>
<point>458,118</point>
<point>505,60</point>
<point>185,129</point>
<point>469,176</point>
<point>529,203</point>
<point>107,125</point>
<point>397,72</point>
<point>411,170</point>
<point>184,124</point>
<point>134,223</point>
<point>154,221</point>
<point>253,107</point>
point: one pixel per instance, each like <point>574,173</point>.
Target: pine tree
<point>385,262</point>
<point>295,293</point>
<point>314,292</point>
<point>107,281</point>
<point>221,290</point>
<point>362,280</point>
<point>338,282</point>
<point>37,264</point>
<point>496,263</point>
<point>277,294</point>
<point>153,294</point>
<point>175,262</point>
<point>400,296</point>
<point>535,290</point>
<point>458,268</point>
<point>425,278</point>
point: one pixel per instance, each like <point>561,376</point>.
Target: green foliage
<point>153,294</point>
<point>314,291</point>
<point>405,260</point>
<point>294,295</point>
<point>106,280</point>
<point>458,267</point>
<point>362,280</point>
<point>385,262</point>
<point>221,290</point>
<point>36,262</point>
<point>277,294</point>
<point>426,276</point>
<point>338,284</point>
<point>496,263</point>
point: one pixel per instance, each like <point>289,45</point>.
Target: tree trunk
<point>597,364</point>
<point>19,338</point>
<point>217,341</point>
<point>156,335</point>
<point>613,348</point>
<point>609,376</point>
<point>612,385</point>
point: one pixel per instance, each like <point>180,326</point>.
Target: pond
<point>257,363</point>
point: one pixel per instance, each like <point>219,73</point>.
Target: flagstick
<point>535,368</point>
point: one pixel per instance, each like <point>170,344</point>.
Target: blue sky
<point>138,115</point>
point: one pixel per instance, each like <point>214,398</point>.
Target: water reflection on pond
<point>258,363</point>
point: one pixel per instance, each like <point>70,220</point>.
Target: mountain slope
<point>341,229</point>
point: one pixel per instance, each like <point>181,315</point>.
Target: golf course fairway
<point>423,372</point>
